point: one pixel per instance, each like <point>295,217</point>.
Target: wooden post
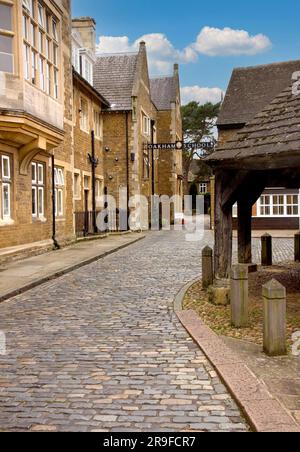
<point>244,231</point>
<point>239,296</point>
<point>207,267</point>
<point>223,230</point>
<point>266,251</point>
<point>297,247</point>
<point>274,299</point>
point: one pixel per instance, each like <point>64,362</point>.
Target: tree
<point>198,122</point>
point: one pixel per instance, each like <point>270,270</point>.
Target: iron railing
<point>85,223</point>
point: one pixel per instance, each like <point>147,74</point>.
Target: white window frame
<point>59,181</point>
<point>6,184</point>
<point>261,205</point>
<point>203,188</point>
<point>38,188</point>
<point>146,124</point>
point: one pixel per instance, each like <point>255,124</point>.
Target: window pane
<point>5,167</point>
<point>6,44</point>
<point>40,174</point>
<point>60,202</point>
<point>6,63</point>
<point>6,200</point>
<point>33,173</point>
<point>41,201</point>
<point>41,15</point>
<point>34,201</point>
<point>5,17</point>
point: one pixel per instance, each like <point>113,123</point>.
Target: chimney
<point>86,26</point>
<point>142,45</point>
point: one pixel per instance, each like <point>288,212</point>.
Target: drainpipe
<point>127,164</point>
<point>55,243</point>
<point>152,157</point>
<point>94,164</point>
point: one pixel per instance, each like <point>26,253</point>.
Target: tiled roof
<point>251,89</point>
<point>163,92</point>
<point>273,132</point>
<point>114,77</point>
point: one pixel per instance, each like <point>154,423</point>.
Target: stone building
<point>141,112</point>
<point>128,124</point>
<point>35,124</point>
<point>165,94</point>
<point>263,151</point>
<point>67,137</point>
<point>88,128</point>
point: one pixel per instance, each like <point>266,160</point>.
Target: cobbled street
<point>101,349</point>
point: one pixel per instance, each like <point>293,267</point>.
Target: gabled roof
<point>163,92</point>
<point>114,77</point>
<point>273,132</point>
<point>251,89</point>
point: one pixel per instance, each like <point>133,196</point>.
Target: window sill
<point>6,222</point>
<point>39,219</point>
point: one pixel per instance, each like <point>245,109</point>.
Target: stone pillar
<point>297,247</point>
<point>274,299</point>
<point>207,267</point>
<point>239,296</point>
<point>266,251</point>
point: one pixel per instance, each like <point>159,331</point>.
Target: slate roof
<point>163,92</point>
<point>251,89</point>
<point>274,131</point>
<point>90,88</point>
<point>114,77</point>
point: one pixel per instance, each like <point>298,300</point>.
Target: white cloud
<point>217,42</point>
<point>200,94</point>
<point>161,52</point>
<point>211,41</point>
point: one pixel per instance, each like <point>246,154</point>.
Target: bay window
<point>41,46</point>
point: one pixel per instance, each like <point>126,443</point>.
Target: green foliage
<point>198,122</point>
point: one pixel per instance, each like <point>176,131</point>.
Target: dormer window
<point>86,66</point>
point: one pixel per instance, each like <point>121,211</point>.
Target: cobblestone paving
<point>101,349</point>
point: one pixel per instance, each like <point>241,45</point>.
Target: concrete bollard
<point>297,247</point>
<point>266,251</point>
<point>207,267</point>
<point>274,299</point>
<point>239,296</point>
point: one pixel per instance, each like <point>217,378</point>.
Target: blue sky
<point>208,38</point>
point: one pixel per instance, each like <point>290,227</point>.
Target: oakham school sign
<point>180,146</point>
